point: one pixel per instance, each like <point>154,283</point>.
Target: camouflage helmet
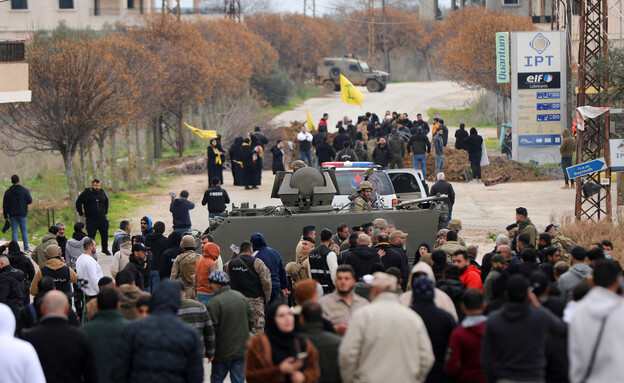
<point>380,223</point>
<point>455,224</point>
<point>364,185</point>
<point>297,165</point>
<point>188,242</point>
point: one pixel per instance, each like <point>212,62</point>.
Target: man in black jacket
<point>382,155</point>
<point>136,264</point>
<point>11,286</point>
<point>324,152</point>
<point>217,198</point>
<point>278,157</point>
<point>15,207</point>
<point>362,257</point>
<point>160,347</point>
<point>391,257</point>
<point>93,204</point>
<point>515,337</point>
<point>158,243</point>
<point>65,352</point>
<point>419,147</point>
<point>443,187</point>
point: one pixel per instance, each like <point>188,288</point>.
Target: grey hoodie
<point>571,278</point>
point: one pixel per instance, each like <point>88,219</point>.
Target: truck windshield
<point>364,66</point>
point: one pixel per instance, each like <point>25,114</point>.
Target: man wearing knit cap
<point>232,321</point>
<point>439,324</point>
<point>62,274</point>
<point>405,353</point>
<point>525,225</point>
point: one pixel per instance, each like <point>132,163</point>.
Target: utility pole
<point>385,42</point>
<point>593,142</point>
<point>311,8</point>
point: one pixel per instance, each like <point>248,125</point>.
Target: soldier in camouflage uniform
<point>184,266</point>
<point>252,278</point>
<point>361,201</point>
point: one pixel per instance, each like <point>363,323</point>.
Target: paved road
<point>409,97</point>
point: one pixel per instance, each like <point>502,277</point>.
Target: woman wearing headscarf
<point>474,145</point>
<point>215,162</point>
<point>235,161</point>
<point>460,135</point>
<point>280,355</point>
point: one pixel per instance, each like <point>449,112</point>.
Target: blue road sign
<point>585,168</point>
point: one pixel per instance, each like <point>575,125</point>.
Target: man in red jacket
<point>471,275</point>
<point>465,343</point>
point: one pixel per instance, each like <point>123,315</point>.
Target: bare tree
<point>74,86</point>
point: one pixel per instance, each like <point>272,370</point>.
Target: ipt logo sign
<point>539,43</point>
<point>538,52</point>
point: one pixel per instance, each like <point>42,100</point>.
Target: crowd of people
<point>355,306</point>
<point>393,137</point>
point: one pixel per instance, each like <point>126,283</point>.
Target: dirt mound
<point>519,172</point>
<point>456,163</point>
<point>183,165</point>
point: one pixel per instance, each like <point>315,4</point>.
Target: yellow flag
<point>310,123</point>
<point>350,95</point>
<point>205,135</point>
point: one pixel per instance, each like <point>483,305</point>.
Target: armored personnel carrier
<point>306,197</point>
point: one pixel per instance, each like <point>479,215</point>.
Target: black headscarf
<point>283,344</point>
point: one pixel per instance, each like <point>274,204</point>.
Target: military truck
<point>306,197</point>
<point>358,72</point>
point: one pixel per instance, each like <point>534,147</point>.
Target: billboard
<point>538,92</point>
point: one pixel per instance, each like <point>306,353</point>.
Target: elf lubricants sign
<point>538,94</point>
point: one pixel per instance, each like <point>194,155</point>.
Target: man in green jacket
<point>499,263</point>
<point>567,148</point>
<point>326,342</point>
<point>525,225</point>
<point>232,321</point>
<point>104,331</point>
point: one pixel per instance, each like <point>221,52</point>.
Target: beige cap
<point>455,224</point>
<point>443,232</point>
<point>383,281</point>
<point>398,233</point>
<point>380,223</point>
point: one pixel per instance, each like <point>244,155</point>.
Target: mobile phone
<point>302,355</point>
<point>172,194</point>
<point>234,248</point>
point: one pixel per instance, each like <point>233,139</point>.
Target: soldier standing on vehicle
<point>184,265</point>
<point>95,203</point>
<point>361,201</point>
<point>252,278</point>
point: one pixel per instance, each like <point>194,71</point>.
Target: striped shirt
<point>195,314</point>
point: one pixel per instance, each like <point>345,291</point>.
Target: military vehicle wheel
<point>334,73</point>
<point>373,86</point>
<point>383,87</point>
<point>329,85</point>
<point>337,87</point>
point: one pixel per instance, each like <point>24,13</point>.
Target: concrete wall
<point>14,82</point>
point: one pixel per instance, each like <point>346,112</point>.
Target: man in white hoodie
<point>20,363</point>
<point>595,334</point>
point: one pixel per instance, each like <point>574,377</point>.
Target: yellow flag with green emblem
<point>310,123</point>
<point>350,95</point>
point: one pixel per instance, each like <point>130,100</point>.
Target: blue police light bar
<point>348,164</point>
